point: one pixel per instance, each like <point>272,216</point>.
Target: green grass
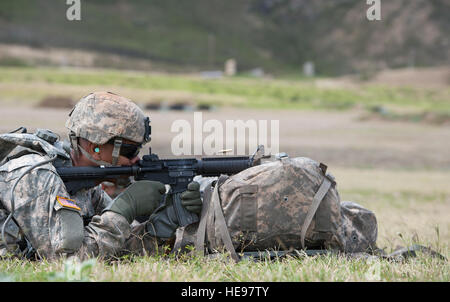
<point>411,206</point>
<point>31,83</point>
<point>159,269</point>
<point>404,219</point>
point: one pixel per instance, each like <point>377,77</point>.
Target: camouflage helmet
<point>102,116</point>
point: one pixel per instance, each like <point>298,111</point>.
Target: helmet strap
<point>74,142</point>
<point>116,151</point>
<point>115,154</point>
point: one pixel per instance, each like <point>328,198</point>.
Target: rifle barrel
<point>205,167</point>
<point>217,166</point>
<point>73,173</point>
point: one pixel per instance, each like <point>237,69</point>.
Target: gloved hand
<point>139,199</point>
<point>164,222</point>
<point>190,199</point>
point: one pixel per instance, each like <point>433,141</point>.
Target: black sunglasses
<point>130,151</point>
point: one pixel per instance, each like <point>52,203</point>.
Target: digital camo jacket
<point>51,220</point>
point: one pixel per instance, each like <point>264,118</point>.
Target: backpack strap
<point>212,206</point>
<point>222,225</point>
<point>200,236</point>
<point>318,197</point>
<point>207,215</point>
<point>179,235</point>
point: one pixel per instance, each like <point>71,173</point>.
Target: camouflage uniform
<point>46,216</point>
<point>55,228</point>
<point>52,220</point>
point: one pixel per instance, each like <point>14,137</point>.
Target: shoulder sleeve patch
<point>67,203</point>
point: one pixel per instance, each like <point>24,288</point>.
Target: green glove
<point>190,199</point>
<point>139,199</point>
<point>164,221</point>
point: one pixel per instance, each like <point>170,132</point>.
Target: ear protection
<point>97,149</point>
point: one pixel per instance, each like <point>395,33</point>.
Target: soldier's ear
<point>94,150</point>
<point>96,154</point>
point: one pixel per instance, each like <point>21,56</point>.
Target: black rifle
<point>177,173</point>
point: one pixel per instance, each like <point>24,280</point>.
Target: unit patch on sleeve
<point>67,203</point>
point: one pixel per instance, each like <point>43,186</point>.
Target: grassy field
<point>33,84</point>
<point>398,168</point>
<point>156,269</point>
<point>407,213</point>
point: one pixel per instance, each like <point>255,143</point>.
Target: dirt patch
<point>338,139</point>
<point>382,114</point>
<point>417,77</point>
<point>430,78</point>
<point>56,102</point>
<point>178,106</point>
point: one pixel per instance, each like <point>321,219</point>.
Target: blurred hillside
<point>276,35</point>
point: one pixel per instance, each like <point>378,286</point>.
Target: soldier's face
<point>104,154</point>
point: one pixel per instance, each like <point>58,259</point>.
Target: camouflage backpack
<point>287,204</point>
